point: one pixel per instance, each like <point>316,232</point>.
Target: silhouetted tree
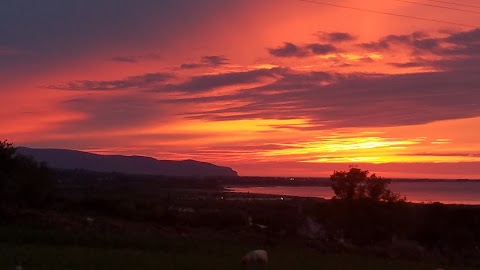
<point>22,179</point>
<point>358,184</point>
<point>32,182</point>
<point>7,152</point>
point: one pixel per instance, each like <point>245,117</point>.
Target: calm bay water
<point>448,192</point>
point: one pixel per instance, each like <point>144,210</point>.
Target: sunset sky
<point>267,87</point>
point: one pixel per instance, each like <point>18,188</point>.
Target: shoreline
<point>231,189</point>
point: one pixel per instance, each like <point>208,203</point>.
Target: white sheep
<point>258,257</point>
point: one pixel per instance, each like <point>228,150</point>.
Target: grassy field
<point>143,229</point>
<point>47,249</point>
<point>115,221</point>
<point>38,257</point>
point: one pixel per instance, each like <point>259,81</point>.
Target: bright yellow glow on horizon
<point>343,149</point>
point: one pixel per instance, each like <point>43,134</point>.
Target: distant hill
<point>72,159</point>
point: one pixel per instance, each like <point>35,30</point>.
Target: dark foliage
<point>366,214</point>
<point>7,152</point>
<point>358,184</point>
<point>23,180</point>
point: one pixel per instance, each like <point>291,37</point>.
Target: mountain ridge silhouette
<point>135,164</point>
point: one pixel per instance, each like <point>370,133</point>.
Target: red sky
<point>273,87</point>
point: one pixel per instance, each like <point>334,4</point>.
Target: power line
<point>453,3</point>
<point>389,13</point>
<point>436,6</point>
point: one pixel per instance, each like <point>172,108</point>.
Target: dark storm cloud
<point>375,45</point>
<point>472,36</point>
<point>142,81</point>
<point>205,83</point>
<point>429,44</point>
<point>159,82</point>
<point>191,65</point>
<point>298,80</point>
<point>465,43</point>
<point>360,100</point>
<point>136,59</point>
<point>288,50</point>
<point>214,60</point>
<point>319,49</point>
<point>125,59</point>
<point>327,100</point>
<point>291,50</point>
<point>386,42</point>
<point>207,61</point>
<point>459,51</point>
<point>336,37</point>
<point>416,40</point>
<point>467,50</point>
<point>351,100</point>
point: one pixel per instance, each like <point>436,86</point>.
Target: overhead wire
<point>454,3</point>
<point>437,6</point>
<point>389,13</point>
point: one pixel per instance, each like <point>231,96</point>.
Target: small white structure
<point>255,257</point>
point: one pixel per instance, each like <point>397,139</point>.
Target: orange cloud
<point>268,87</point>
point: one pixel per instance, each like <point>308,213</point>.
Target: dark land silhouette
<point>72,159</point>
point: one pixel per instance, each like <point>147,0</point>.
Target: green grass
<point>210,255</point>
<point>51,249</point>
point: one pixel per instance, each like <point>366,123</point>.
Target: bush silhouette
<point>22,179</point>
<point>7,152</point>
<point>358,184</point>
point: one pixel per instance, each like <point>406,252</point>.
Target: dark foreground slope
<point>72,159</point>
